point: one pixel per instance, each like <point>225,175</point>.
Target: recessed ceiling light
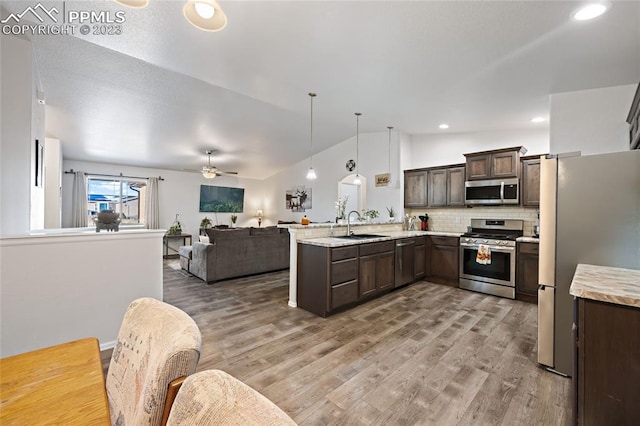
<point>444,126</point>
<point>537,120</point>
<point>590,11</point>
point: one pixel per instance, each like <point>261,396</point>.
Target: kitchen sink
<point>360,236</point>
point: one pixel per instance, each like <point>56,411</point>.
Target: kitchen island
<point>337,272</point>
<point>607,342</point>
<point>317,231</point>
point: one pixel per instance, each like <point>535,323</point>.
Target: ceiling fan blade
<point>220,172</point>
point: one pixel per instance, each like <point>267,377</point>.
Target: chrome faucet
<point>349,231</point>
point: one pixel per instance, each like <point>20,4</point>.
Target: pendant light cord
<point>389,127</point>
<point>357,143</point>
<point>311,95</point>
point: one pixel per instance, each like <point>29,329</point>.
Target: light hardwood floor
<point>425,354</point>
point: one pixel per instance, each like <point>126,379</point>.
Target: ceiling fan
<point>209,171</point>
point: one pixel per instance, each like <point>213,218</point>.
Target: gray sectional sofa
<point>237,252</point>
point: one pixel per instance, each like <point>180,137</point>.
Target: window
<point>122,195</point>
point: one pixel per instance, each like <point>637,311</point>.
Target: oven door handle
<point>492,248</point>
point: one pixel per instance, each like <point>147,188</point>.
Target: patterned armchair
<point>213,397</point>
<point>157,345</point>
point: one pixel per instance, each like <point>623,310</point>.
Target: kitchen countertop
<point>607,284</point>
<point>384,236</point>
<point>528,240</point>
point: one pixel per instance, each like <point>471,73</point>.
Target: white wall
<point>16,147</point>
<point>449,148</point>
<point>52,183</point>
<point>57,288</point>
<point>330,168</point>
<point>37,133</point>
<point>179,193</point>
<point>591,121</point>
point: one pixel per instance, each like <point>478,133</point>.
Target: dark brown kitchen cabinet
<point>330,279</point>
<point>437,188</point>
<point>327,278</point>
<point>415,188</point>
<point>376,262</point>
<point>607,370</point>
<point>527,272</point>
<point>496,164</point>
<point>478,166</point>
<point>504,164</point>
<point>446,186</point>
<point>443,254</point>
<point>455,189</point>
<point>531,182</point>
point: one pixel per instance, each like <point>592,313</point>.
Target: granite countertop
<point>384,236</point>
<point>528,240</point>
<point>334,225</point>
<point>607,284</point>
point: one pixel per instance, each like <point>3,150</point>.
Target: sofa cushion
<point>268,230</point>
<point>220,234</point>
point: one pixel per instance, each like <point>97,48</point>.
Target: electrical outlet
<point>457,219</point>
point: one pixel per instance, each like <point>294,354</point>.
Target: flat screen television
<point>221,199</point>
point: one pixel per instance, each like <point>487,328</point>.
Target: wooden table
<point>169,237</point>
<point>62,385</point>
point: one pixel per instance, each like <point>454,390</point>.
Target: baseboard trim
<point>108,345</point>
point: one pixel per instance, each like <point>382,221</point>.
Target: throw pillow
<point>204,239</point>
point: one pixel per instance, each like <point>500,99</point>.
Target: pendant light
<point>356,180</point>
<point>311,174</point>
<point>205,14</point>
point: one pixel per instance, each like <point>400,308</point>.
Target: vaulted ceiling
<point>163,92</point>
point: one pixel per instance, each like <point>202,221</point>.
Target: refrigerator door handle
<point>546,301</point>
<point>502,191</point>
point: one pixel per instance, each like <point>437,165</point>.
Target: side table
<point>167,247</point>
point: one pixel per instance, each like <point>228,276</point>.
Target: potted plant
<point>234,218</point>
<point>341,206</point>
<point>369,215</point>
<point>176,227</point>
<point>205,223</point>
<point>392,213</point>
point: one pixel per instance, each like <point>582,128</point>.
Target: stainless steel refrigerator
<point>589,213</point>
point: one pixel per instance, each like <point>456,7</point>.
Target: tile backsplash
<point>457,219</point>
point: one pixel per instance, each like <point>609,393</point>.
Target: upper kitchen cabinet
<point>496,164</point>
<point>634,121</point>
<point>415,188</point>
<point>531,182</point>
<point>446,186</point>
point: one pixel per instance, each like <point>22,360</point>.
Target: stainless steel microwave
<point>492,192</point>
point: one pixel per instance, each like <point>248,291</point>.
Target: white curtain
<point>79,201</point>
<point>153,205</point>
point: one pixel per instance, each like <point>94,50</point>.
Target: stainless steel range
<point>488,256</point>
